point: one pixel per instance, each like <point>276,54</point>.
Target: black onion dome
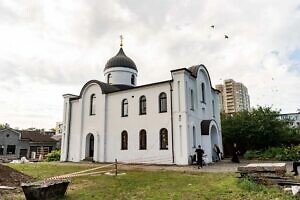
<point>120,60</point>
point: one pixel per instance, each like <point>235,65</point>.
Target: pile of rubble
<point>271,174</point>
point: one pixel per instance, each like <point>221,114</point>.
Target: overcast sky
<point>48,48</point>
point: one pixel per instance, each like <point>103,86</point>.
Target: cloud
<point>49,48</point>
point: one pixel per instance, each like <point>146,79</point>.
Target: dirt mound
<point>12,177</point>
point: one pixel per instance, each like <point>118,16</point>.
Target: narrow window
<point>163,137</point>
<point>124,108</point>
<point>93,104</point>
<point>124,140</point>
<point>162,102</point>
<point>11,149</point>
<point>109,79</point>
<point>143,140</point>
<point>203,92</point>
<point>142,105</point>
<point>192,100</point>
<point>132,80</point>
<point>178,93</point>
<point>1,150</point>
<point>213,108</point>
<point>194,137</point>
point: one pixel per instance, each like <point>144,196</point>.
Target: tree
<point>6,125</point>
<point>259,128</point>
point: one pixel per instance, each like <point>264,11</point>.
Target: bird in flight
<point>212,26</point>
<point>226,36</point>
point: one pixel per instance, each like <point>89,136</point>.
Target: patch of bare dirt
<point>11,177</point>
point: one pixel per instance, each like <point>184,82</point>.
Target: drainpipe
<point>171,94</point>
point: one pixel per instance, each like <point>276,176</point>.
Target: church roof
<point>120,60</point>
<point>106,88</point>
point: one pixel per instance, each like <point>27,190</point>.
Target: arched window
<point>132,79</point>
<point>93,104</point>
<point>192,100</point>
<point>194,137</point>
<point>143,140</point>
<point>213,108</point>
<point>109,79</point>
<point>162,102</point>
<point>203,92</point>
<point>124,140</point>
<point>124,108</point>
<point>142,105</point>
<point>163,137</point>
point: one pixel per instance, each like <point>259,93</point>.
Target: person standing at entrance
<point>218,152</point>
<point>199,153</point>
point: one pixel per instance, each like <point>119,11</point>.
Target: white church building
<point>159,123</point>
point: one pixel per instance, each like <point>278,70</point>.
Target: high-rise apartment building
<point>233,97</point>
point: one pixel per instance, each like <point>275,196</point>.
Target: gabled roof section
<point>194,72</point>
<point>105,88</point>
<point>35,136</point>
<point>6,130</point>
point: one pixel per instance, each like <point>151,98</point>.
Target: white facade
<point>189,121</point>
<point>292,118</point>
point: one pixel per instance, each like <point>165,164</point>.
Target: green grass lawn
<point>138,184</point>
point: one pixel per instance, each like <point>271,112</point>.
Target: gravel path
<point>223,166</point>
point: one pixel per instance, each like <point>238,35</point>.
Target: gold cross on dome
<point>121,38</point>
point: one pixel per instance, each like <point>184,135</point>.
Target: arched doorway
<point>214,140</point>
<point>89,147</point>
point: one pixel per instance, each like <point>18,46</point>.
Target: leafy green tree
<point>259,128</point>
<point>4,125</point>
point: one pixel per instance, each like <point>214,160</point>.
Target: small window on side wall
<point>124,108</point>
<point>124,140</point>
<point>143,140</point>
<point>213,108</point>
<point>163,137</point>
<point>203,92</point>
<point>143,105</point>
<point>93,104</point>
<point>194,137</point>
<point>162,102</point>
<point>192,100</point>
<point>132,79</point>
<point>109,79</point>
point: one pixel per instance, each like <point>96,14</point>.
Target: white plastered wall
<point>121,75</point>
<point>152,122</point>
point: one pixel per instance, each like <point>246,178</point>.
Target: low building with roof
<point>15,144</point>
<point>293,119</point>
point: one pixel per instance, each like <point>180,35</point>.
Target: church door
<point>91,145</point>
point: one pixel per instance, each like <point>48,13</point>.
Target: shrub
<point>276,153</point>
<point>53,156</point>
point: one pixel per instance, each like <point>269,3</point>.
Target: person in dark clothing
<point>296,164</point>
<point>235,153</point>
<point>199,153</point>
<point>218,152</point>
